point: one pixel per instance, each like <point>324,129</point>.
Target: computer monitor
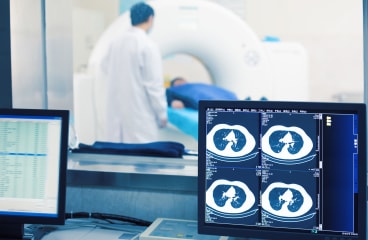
<point>33,160</point>
<point>282,170</point>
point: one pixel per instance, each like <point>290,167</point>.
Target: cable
<point>107,217</point>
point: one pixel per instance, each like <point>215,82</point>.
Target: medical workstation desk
<point>147,188</point>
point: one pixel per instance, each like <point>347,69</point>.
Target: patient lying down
<point>182,94</point>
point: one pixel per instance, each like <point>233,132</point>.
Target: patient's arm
<point>177,104</point>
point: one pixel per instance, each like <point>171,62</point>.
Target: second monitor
<point>278,170</point>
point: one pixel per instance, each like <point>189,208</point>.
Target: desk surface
<point>186,166</point>
<point>87,229</point>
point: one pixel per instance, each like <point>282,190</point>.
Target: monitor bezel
<point>59,218</point>
<point>269,233</point>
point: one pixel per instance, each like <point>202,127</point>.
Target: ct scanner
<point>234,56</point>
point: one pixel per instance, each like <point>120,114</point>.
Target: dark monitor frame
<point>12,226</point>
<point>269,233</point>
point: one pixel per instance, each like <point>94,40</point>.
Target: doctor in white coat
<point>136,103</point>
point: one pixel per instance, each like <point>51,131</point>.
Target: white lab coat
<point>135,94</point>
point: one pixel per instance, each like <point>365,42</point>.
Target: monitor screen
<point>33,160</point>
<point>282,170</point>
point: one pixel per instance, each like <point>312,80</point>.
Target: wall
<point>59,53</point>
<point>27,54</point>
<point>332,33</point>
<point>41,54</point>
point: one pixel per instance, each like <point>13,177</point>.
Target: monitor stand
<point>11,231</point>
